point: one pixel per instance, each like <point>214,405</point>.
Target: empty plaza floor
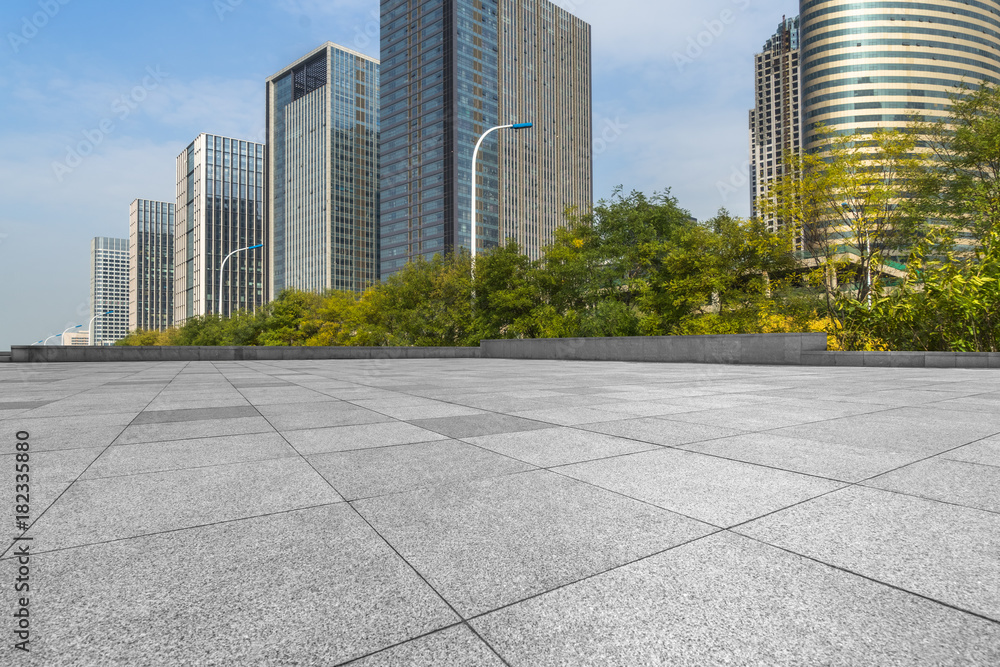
<point>499,512</point>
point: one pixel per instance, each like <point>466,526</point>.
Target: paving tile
<point>204,428</point>
<point>208,596</point>
<point>194,414</point>
<point>558,446</point>
<point>285,394</point>
<point>661,431</point>
<point>186,401</point>
<point>569,416</point>
<point>724,600</point>
<point>769,415</point>
<point>945,552</point>
<point>96,510</point>
<point>960,482</point>
<point>849,462</point>
<point>286,417</point>
<point>21,405</point>
<point>487,543</point>
<point>194,453</point>
<point>71,432</point>
<point>985,451</point>
<point>707,488</point>
<point>454,647</point>
<point>365,473</point>
<point>627,408</point>
<point>358,436</point>
<point>480,424</point>
<point>920,430</point>
<point>424,412</point>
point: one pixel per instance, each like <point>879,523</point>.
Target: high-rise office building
<point>220,209</point>
<point>109,289</point>
<point>322,172</point>
<point>452,69</point>
<point>150,265</point>
<point>872,65</point>
<point>776,119</point>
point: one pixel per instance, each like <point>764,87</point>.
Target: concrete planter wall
<point>739,349</point>
<point>55,353</point>
<point>804,349</point>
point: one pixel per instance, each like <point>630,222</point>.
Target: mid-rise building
<point>776,119</point>
<point>220,213</point>
<point>322,172</point>
<point>150,265</point>
<point>453,69</point>
<point>874,65</point>
<point>76,338</point>
<point>109,289</point>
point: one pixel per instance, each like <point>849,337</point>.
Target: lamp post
<point>90,326</point>
<point>222,274</point>
<point>75,326</point>
<point>475,154</point>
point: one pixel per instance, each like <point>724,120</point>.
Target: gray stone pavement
<point>498,512</point>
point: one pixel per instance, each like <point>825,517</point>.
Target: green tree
<point>850,205</point>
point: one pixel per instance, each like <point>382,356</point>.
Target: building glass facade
<point>109,289</point>
<point>323,171</point>
<point>871,65</point>
<point>220,208</point>
<point>444,65</point>
<point>151,265</point>
<point>776,119</point>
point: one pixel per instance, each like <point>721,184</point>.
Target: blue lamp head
<point>521,126</point>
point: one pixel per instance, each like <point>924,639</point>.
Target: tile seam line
<point>70,485</point>
<point>593,575</point>
<point>860,575</point>
<point>385,541</point>
<point>950,503</point>
<point>181,529</point>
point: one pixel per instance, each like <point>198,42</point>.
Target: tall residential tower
<point>150,265</point>
<point>220,209</point>
<point>322,172</point>
<point>109,289</point>
<point>776,119</point>
<point>453,69</point>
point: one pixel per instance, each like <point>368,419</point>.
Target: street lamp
<point>75,326</point>
<point>475,154</point>
<point>90,327</point>
<point>222,274</point>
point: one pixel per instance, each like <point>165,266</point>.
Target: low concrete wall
<point>807,349</point>
<point>904,359</point>
<point>730,349</point>
<point>57,353</point>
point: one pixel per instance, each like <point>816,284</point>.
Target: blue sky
<point>98,98</point>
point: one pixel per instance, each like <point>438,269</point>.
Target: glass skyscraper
<point>445,63</point>
<point>150,265</point>
<point>220,208</point>
<point>322,172</point>
<point>109,289</point>
<point>871,65</point>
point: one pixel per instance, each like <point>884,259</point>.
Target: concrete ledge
<point>807,349</point>
<point>59,353</point>
<point>730,349</point>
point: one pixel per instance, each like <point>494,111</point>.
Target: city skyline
<point>167,92</point>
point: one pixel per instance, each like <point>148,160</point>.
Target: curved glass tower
<point>869,65</point>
